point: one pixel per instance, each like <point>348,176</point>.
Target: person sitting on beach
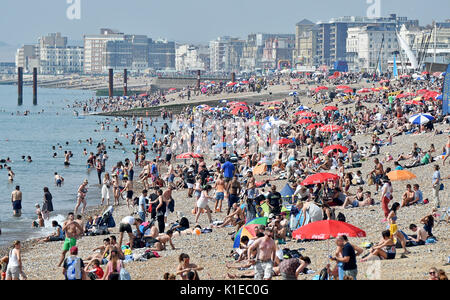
<point>96,272</point>
<point>385,249</point>
<point>420,236</point>
<point>57,236</point>
<point>102,253</point>
<point>408,196</point>
<point>235,218</point>
<point>184,266</point>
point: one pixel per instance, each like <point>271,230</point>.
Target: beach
<point>211,250</point>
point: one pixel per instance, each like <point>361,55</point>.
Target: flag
<point>446,93</point>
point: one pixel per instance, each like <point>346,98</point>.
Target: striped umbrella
<point>421,119</point>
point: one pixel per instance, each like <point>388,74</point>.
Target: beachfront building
<point>51,56</point>
<point>328,40</point>
<point>115,50</point>
<point>161,55</point>
<point>225,54</point>
<point>305,43</point>
<point>277,53</point>
<point>253,50</point>
<point>369,48</point>
<point>27,57</point>
<point>189,58</point>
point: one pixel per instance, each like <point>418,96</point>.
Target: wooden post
<point>125,82</point>
<point>111,83</point>
<point>34,86</point>
<point>20,86</point>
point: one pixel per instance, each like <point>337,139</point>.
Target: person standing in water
<point>47,207</point>
<point>16,200</point>
<point>81,197</point>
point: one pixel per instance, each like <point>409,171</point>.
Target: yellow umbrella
<point>417,98</point>
<point>400,175</point>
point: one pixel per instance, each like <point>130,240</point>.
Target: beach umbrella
<point>231,84</point>
<point>319,178</point>
<point>321,88</point>
<point>414,102</point>
<point>330,108</point>
<point>324,230</point>
<point>316,125</point>
<point>331,128</point>
<point>246,230</point>
<point>337,147</point>
<point>421,119</point>
<point>293,94</point>
<point>189,155</point>
<point>172,89</point>
<point>237,110</point>
<point>422,91</point>
<point>271,103</point>
<point>258,221</point>
<point>342,87</point>
<point>304,121</point>
<point>400,175</point>
<point>363,91</point>
<point>305,114</point>
<point>143,95</point>
<point>302,107</point>
<point>287,192</point>
<point>284,142</point>
<point>348,91</point>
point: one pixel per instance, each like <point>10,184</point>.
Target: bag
<point>341,217</point>
<point>124,275</point>
<point>441,187</point>
<point>323,274</point>
<point>73,271</point>
<point>370,180</point>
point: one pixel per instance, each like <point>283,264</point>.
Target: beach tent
<point>287,192</point>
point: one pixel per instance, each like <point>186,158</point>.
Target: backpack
<point>124,275</point>
<point>73,271</point>
<point>323,274</point>
<point>341,217</point>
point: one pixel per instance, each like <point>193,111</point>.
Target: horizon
<point>193,22</point>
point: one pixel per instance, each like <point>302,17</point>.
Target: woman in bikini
<point>81,197</point>
<point>393,227</point>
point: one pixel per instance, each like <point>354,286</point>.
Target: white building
<point>369,46</point>
<point>188,58</point>
<point>51,55</point>
<point>225,54</point>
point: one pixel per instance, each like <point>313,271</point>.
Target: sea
<point>52,122</point>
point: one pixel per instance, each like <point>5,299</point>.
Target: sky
<point>193,21</point>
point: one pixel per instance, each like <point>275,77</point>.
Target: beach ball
<point>197,231</point>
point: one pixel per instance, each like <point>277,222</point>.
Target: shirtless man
<point>167,197</point>
<point>73,231</point>
<point>378,172</point>
<point>161,241</point>
<point>16,200</point>
<point>421,235</point>
<point>266,255</point>
<point>236,218</point>
<point>129,189</point>
<point>234,189</point>
<point>220,193</point>
<point>145,174</point>
<point>66,158</point>
<point>58,180</point>
<point>101,251</point>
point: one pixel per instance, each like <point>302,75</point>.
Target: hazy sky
<point>23,21</point>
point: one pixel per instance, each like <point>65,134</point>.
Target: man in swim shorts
<point>73,231</point>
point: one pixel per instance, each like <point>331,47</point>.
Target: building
<point>161,55</point>
<point>51,55</point>
<point>277,53</point>
<point>225,54</point>
<point>253,50</point>
<point>305,43</point>
<point>331,37</point>
<point>369,48</point>
<point>191,58</point>
<point>27,57</point>
<point>115,50</point>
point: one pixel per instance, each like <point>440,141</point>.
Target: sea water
<point>50,123</point>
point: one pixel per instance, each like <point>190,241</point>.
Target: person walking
<point>15,268</point>
<point>436,186</point>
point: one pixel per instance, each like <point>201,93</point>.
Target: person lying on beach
<point>160,242</point>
